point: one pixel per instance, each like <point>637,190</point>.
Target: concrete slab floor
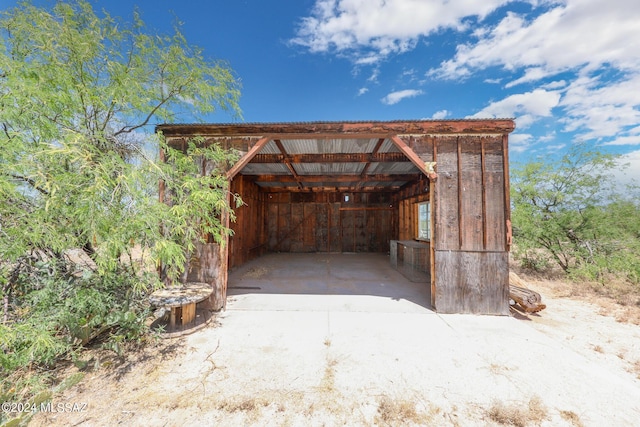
<point>325,282</point>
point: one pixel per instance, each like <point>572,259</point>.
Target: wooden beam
<point>364,129</point>
<point>341,189</point>
<point>366,167</point>
<point>287,162</point>
<point>411,155</point>
<point>367,208</point>
<point>393,157</point>
<point>231,173</point>
<point>333,178</point>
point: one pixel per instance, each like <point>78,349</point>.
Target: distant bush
<point>572,213</point>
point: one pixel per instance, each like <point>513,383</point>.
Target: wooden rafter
<point>231,173</point>
<point>368,164</point>
<point>334,178</point>
<point>287,162</point>
<point>393,157</point>
<point>415,159</point>
<point>339,189</point>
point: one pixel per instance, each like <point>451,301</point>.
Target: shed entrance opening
<point>356,187</point>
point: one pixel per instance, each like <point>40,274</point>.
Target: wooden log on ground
<point>529,300</point>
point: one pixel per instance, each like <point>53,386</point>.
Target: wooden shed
<point>437,190</point>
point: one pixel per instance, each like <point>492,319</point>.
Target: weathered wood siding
<point>325,222</point>
<point>249,236</point>
<point>472,282</point>
<point>470,211</point>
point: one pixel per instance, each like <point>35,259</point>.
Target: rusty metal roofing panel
<point>388,147</point>
<point>265,169</point>
<point>329,168</point>
<point>327,146</point>
<point>393,168</point>
<point>340,122</point>
<point>270,148</point>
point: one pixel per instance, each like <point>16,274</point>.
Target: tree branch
<point>29,181</point>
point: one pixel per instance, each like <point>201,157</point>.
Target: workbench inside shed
<point>411,258</point>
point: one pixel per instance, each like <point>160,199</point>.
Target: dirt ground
<point>576,363</point>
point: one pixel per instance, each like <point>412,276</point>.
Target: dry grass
<point>394,412</point>
<point>635,369</point>
<point>572,417</point>
<point>256,273</point>
<point>242,404</point>
<point>617,299</point>
<point>327,384</point>
<point>518,415</point>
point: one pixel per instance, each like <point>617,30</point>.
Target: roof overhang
<point>333,156</point>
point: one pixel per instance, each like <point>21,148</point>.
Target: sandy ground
<point>315,360</point>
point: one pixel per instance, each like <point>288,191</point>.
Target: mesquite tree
<point>80,93</point>
<point>575,214</point>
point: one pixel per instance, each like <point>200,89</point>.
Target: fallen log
<point>529,300</point>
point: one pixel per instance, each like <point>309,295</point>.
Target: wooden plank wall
<point>470,212</point>
<point>472,282</point>
<point>325,222</point>
<point>470,194</point>
<point>249,232</point>
<point>408,216</point>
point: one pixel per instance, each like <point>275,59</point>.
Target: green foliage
<point>574,214</point>
<point>79,169</point>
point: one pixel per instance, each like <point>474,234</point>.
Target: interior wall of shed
<point>309,222</point>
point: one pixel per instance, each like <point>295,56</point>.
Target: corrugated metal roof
<point>329,168</point>
<point>332,122</point>
<point>316,167</point>
<point>333,151</point>
<point>266,169</point>
<point>393,168</point>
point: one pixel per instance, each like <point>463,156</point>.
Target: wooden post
<point>432,254</point>
<point>223,275</point>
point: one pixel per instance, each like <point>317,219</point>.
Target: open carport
<point>430,195</point>
<point>325,282</point>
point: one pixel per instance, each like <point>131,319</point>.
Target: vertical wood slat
<point>296,228</point>
<point>471,193</point>
<point>446,233</point>
<point>472,282</point>
<point>494,193</point>
<point>484,193</point>
<point>335,227</point>
<point>432,259</point>
<point>461,189</point>
<point>507,186</point>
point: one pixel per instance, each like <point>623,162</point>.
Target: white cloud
<point>520,142</point>
<point>362,91</point>
<point>439,115</point>
<point>590,47</point>
<point>597,108</point>
<point>395,97</point>
<point>625,140</point>
<point>629,170</point>
<point>526,107</point>
<point>383,27</point>
<point>573,34</point>
<point>374,75</point>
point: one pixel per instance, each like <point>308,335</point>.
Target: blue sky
<point>568,71</point>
